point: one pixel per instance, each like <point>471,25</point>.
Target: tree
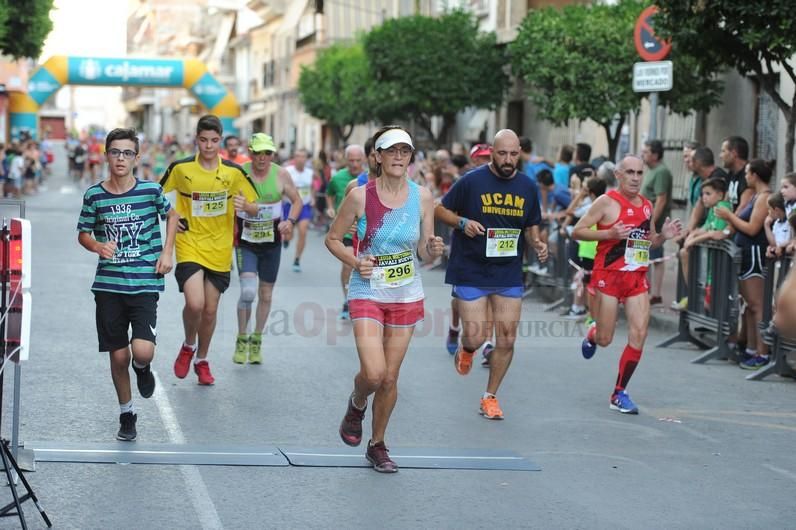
<point>757,38</point>
<point>24,26</point>
<point>428,67</point>
<point>578,64</point>
<point>335,88</point>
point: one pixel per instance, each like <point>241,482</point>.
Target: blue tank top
<point>391,236</point>
<point>743,240</point>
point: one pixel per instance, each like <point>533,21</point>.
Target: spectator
<point>704,166</point>
<point>750,236</point>
<point>657,188</point>
<point>582,156</point>
<point>734,156</point>
<point>561,170</point>
<point>694,180</point>
<point>461,163</point>
<point>606,173</point>
<point>776,226</point>
<point>529,164</point>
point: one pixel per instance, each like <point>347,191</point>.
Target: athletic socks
<point>138,366</point>
<point>627,365</point>
<point>126,407</point>
<point>488,395</point>
<point>191,346</point>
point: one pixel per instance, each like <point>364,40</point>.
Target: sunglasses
<point>259,153</point>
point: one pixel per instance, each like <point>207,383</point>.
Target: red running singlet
<point>631,254</point>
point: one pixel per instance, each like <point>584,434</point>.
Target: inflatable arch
<point>61,70</point>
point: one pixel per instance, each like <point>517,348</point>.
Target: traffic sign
<point>648,45</point>
<point>652,76</point>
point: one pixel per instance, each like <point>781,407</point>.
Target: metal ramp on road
<point>238,455</point>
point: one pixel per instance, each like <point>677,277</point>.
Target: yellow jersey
<point>204,198</point>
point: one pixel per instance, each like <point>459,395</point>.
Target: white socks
<point>126,407</point>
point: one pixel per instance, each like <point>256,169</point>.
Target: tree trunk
<point>613,138</point>
<point>342,135</point>
<point>789,140</point>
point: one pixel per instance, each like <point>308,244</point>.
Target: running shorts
<point>264,260</point>
<point>117,312</point>
<point>753,263</point>
<point>468,294</point>
<point>186,269</point>
<point>396,315</point>
<point>619,284</point>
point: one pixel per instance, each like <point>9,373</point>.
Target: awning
<point>477,123</point>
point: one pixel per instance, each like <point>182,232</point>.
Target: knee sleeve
<point>248,291</point>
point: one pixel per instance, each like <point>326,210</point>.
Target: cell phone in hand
<point>184,223</point>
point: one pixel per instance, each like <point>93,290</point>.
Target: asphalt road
<point>709,449</point>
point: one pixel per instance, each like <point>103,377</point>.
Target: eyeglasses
<point>395,151</point>
<point>260,153</point>
<point>128,154</point>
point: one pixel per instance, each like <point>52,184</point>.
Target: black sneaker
<point>377,454</point>
<point>145,380</point>
<point>351,426</point>
<point>126,427</point>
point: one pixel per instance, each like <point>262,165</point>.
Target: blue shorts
<point>263,260</point>
<point>468,294</point>
<point>306,212</point>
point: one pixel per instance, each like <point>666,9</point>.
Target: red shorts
<point>619,284</point>
<point>397,315</point>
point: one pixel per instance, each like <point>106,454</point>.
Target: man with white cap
<point>496,212</point>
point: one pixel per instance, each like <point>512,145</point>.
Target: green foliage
<point>578,64</point>
<point>439,66</point>
<point>24,26</point>
<point>337,88</point>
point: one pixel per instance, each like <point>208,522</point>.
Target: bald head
<point>629,173</point>
<point>505,153</point>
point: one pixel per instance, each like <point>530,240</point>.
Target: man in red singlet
<point>625,236</point>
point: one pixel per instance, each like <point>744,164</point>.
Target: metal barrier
<point>558,275</point>
<point>779,347</point>
<point>712,298</point>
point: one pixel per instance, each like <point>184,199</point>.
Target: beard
<point>505,171</point>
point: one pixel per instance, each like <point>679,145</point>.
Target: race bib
<point>305,192</point>
<point>208,203</point>
<point>637,252</point>
<point>269,212</point>
<point>393,270</point>
<point>255,231</point>
<point>502,242</point>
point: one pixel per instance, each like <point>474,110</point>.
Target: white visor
<point>392,137</point>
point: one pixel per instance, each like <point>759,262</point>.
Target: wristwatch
<point>292,221</point>
<point>462,223</point>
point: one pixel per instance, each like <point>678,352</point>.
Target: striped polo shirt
<point>132,219</point>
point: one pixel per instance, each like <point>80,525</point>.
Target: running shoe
<point>183,362</point>
<point>755,362</point>
<point>285,244</point>
<point>463,361</point>
<point>621,401</point>
<point>296,266</point>
<point>202,369</point>
<point>744,356</point>
<point>145,380</point>
<point>452,344</point>
<point>127,431</point>
<point>575,314</point>
<point>344,314</point>
<point>490,408</point>
<point>681,305</point>
<point>255,345</point>
<point>587,348</point>
<point>486,354</point>
<point>351,426</point>
<point>241,348</point>
<point>377,454</point>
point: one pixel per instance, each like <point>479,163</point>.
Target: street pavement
<point>708,450</point>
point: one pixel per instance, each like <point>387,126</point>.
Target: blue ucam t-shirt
<point>505,207</point>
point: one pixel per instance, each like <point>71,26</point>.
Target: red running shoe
<point>351,426</point>
<point>377,454</point>
<point>202,369</point>
<point>183,362</point>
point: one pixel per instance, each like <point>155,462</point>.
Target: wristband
<point>292,221</point>
<point>462,223</point>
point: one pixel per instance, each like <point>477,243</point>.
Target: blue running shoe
<point>754,362</point>
<point>587,348</point>
<point>452,344</point>
<point>621,401</point>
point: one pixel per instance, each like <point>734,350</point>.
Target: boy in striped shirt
<point>120,221</point>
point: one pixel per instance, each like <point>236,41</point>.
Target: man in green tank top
<point>258,243</point>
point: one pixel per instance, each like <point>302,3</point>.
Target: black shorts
<point>588,265</point>
<point>753,264</point>
<point>348,242</point>
<point>186,269</point>
<point>117,312</point>
<point>262,260</point>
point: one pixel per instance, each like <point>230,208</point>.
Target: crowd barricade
<point>776,270</point>
<point>555,276</point>
<point>712,291</point>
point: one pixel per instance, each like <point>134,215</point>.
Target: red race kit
<point>620,266</point>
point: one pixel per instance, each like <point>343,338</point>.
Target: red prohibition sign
<point>648,45</point>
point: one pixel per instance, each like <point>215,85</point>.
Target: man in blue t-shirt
<point>495,209</point>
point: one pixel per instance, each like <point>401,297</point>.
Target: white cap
<point>392,137</point>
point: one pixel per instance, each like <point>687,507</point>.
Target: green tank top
<point>588,249</point>
<point>267,190</point>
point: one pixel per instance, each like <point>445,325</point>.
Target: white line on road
<point>197,489</point>
<point>784,472</point>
